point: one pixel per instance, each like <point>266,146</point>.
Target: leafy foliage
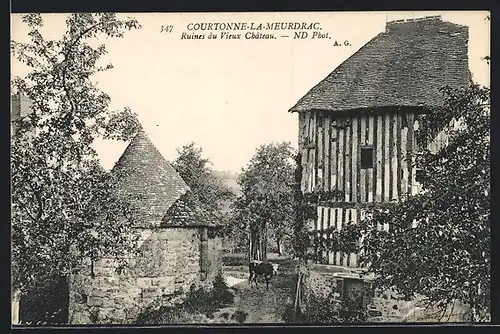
<point>207,186</point>
<point>267,205</point>
<point>47,303</point>
<point>221,295</point>
<point>344,240</point>
<point>438,244</point>
<point>323,310</point>
<point>162,315</point>
<point>438,241</point>
<point>310,244</point>
<point>198,301</point>
<point>240,316</point>
<point>63,204</point>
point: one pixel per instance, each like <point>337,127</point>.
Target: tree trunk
<point>262,238</point>
<point>258,245</point>
<point>263,241</point>
<point>264,245</point>
<point>249,244</point>
<point>260,250</point>
<point>280,250</point>
<point>254,245</point>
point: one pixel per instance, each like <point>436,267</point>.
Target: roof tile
<point>404,66</point>
<point>149,182</point>
<point>187,211</point>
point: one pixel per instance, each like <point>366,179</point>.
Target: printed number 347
<point>166,28</point>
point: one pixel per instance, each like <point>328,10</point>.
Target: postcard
<point>250,168</point>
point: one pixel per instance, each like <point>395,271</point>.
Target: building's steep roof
<point>148,181</point>
<point>404,66</point>
<point>187,211</point>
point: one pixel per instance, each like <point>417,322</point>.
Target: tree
<point>438,244</point>
<point>205,184</point>
<point>63,205</point>
<point>266,206</point>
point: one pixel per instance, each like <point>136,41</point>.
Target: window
<point>418,174</point>
<point>367,157</point>
<point>404,119</point>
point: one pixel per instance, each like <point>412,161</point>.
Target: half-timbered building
<point>357,126</point>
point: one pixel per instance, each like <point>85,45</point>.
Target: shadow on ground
<point>262,305</point>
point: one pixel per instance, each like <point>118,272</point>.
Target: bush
<point>163,315</point>
<point>321,310</point>
<point>45,303</point>
<point>221,295</point>
<point>235,259</point>
<point>199,302</point>
<point>209,301</point>
<point>240,316</point>
<point>289,315</point>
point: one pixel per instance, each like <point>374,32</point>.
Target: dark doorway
<point>353,294</point>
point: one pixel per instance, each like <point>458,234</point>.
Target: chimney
<point>428,26</point>
<point>413,22</point>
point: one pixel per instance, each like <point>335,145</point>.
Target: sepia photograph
<point>250,168</point>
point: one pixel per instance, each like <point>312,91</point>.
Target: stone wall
<point>168,260</point>
<point>214,255</point>
<point>382,306</point>
<point>326,281</point>
<point>392,307</point>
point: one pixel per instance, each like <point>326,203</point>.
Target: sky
<point>231,96</point>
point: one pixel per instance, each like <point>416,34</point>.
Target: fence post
<point>297,296</point>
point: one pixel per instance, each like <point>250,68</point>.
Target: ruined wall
<point>214,255</point>
<point>323,284</point>
<point>326,281</point>
<point>388,306</point>
<point>168,260</point>
<point>382,306</point>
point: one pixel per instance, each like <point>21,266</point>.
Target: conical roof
<point>405,66</point>
<point>187,211</point>
<point>148,181</point>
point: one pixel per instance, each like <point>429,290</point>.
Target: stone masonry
<point>326,281</point>
<point>167,261</point>
<point>176,248</point>
<point>382,306</point>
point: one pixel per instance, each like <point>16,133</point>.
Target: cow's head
<point>275,268</point>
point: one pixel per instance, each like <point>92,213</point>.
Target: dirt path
<point>265,306</point>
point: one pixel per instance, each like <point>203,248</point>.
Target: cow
<point>260,268</point>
